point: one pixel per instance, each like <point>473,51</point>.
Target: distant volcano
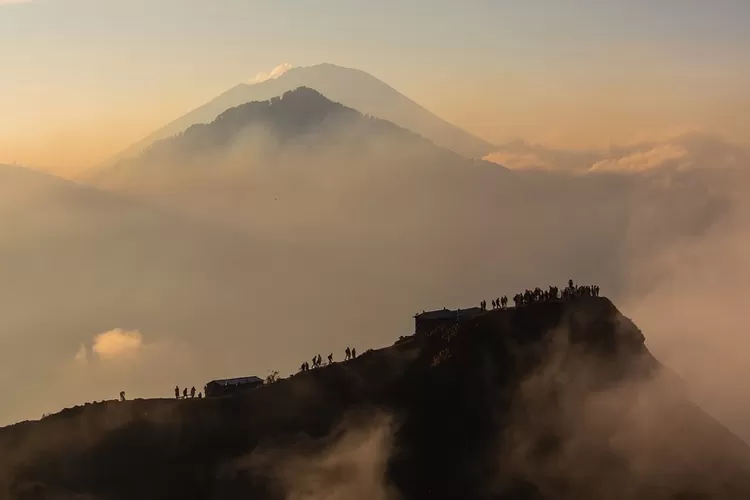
<point>352,88</point>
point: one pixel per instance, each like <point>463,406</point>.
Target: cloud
<point>273,74</point>
<point>351,462</point>
<point>689,151</point>
<point>117,343</point>
<point>696,310</point>
<point>663,155</point>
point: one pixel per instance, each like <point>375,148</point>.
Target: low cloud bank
<point>680,153</point>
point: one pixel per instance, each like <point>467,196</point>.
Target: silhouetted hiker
<point>122,395</point>
<point>348,353</point>
<point>184,393</point>
<point>176,392</point>
<point>200,395</point>
<point>192,392</point>
<point>354,353</point>
<point>320,360</point>
<point>493,304</point>
<point>330,358</point>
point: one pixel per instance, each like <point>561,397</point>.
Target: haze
<point>615,135</point>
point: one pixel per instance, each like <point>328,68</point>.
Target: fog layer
<point>256,242</point>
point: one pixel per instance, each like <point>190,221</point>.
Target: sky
<point>84,79</point>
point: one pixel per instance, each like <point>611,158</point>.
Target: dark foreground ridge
<point>556,399</point>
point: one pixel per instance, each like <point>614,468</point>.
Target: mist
<point>577,418</point>
<point>255,249</point>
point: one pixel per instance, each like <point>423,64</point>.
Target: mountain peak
<point>353,88</point>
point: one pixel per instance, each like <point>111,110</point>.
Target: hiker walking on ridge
<point>192,392</point>
<point>354,353</point>
<point>184,393</point>
<point>177,392</point>
<point>330,359</point>
<point>348,353</point>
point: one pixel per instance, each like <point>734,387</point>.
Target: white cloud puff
<point>273,74</point>
<point>117,343</point>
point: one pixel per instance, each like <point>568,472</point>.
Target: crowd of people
<point>541,295</point>
<point>317,361</point>
<point>185,393</point>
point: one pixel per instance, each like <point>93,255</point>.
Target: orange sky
<point>77,87</point>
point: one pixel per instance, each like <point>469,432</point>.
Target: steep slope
<point>557,400</point>
<point>353,88</point>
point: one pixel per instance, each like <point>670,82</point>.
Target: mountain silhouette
<point>296,113</point>
<point>552,400</point>
<point>353,88</point>
<point>301,147</point>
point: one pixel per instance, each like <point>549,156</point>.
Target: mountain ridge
<point>453,407</point>
<point>338,84</point>
<point>303,117</point>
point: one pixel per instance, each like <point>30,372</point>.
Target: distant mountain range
<point>350,87</point>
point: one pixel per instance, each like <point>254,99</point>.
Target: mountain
<point>303,158</point>
<point>552,400</point>
<point>353,88</point>
<point>300,167</point>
